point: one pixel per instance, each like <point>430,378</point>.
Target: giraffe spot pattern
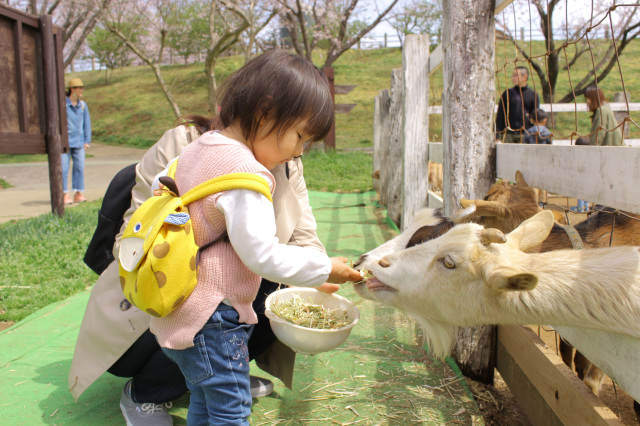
<point>123,281</point>
<point>187,228</point>
<point>174,228</point>
<point>192,263</point>
<point>152,312</point>
<point>178,302</point>
<point>161,278</point>
<point>161,250</point>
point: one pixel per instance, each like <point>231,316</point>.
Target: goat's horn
<point>492,235</point>
<point>468,210</point>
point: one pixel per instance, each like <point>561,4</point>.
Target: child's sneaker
<point>144,414</point>
<point>260,386</point>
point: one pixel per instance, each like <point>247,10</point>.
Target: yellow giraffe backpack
<point>158,254</point>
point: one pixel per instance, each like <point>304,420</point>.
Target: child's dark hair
<point>539,116</point>
<point>582,141</point>
<point>280,88</point>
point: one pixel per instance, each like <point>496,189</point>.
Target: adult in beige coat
<point>111,326</point>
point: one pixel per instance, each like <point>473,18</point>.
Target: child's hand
<point>158,192</point>
<point>341,273</point>
<point>328,288</point>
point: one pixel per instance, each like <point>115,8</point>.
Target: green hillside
<point>132,110</point>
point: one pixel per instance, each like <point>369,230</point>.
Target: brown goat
<point>505,206</point>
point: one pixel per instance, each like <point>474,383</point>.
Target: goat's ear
<point>510,279</point>
<point>520,179</point>
<point>532,232</point>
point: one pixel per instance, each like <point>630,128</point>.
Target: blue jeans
<point>77,174</point>
<point>217,371</point>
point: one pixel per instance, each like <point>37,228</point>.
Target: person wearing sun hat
<point>79,128</point>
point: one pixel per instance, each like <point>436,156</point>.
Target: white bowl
<point>309,341</point>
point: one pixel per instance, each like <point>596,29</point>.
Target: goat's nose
<point>384,262</point>
<point>360,260</point>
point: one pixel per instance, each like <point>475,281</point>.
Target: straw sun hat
<point>75,82</point>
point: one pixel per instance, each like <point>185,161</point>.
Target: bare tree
<point>418,17</point>
<point>548,66</point>
<point>227,20</point>
<point>151,15</point>
<point>330,21</point>
<point>260,14</point>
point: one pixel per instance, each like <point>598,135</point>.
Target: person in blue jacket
<point>79,127</point>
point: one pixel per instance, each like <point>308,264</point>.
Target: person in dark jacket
<point>515,108</point>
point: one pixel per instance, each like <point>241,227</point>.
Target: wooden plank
<point>570,107</point>
<point>58,37</point>
<point>29,143</point>
<point>344,89</point>
<point>391,167</point>
<point>344,108</point>
<point>19,16</point>
<point>380,120</point>
<point>530,366</point>
<point>21,86</point>
<point>435,62</point>
<point>415,125</point>
<point>435,152</point>
<point>8,91</point>
<point>434,200</point>
<point>617,355</point>
<point>501,5</point>
<point>601,174</point>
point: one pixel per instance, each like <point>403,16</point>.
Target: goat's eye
<point>448,262</point>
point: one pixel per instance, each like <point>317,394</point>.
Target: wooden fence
<point>549,392</point>
<point>33,117</point>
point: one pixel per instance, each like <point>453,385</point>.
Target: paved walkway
<point>30,195</point>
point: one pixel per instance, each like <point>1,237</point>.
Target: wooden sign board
<point>343,89</point>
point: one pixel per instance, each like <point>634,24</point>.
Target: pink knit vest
<point>221,273</point>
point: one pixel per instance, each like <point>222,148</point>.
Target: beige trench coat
<point>107,331</point>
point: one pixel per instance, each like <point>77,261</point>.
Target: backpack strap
<point>226,182</point>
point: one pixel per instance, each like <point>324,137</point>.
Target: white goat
<point>471,276</point>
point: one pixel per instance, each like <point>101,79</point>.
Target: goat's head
<point>427,224</point>
<point>505,205</point>
<point>447,281</point>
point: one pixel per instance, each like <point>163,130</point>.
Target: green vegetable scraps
<point>310,315</point>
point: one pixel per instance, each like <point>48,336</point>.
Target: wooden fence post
<point>380,136</point>
<point>415,125</point>
<point>52,116</point>
<point>391,171</point>
<point>620,115</point>
<point>330,140</point>
<point>468,142</point>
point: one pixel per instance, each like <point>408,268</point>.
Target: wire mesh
<point>578,54</point>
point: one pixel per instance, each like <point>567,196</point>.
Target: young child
<point>270,108</point>
<point>538,133</point>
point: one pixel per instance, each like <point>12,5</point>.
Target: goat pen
<point>550,393</point>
